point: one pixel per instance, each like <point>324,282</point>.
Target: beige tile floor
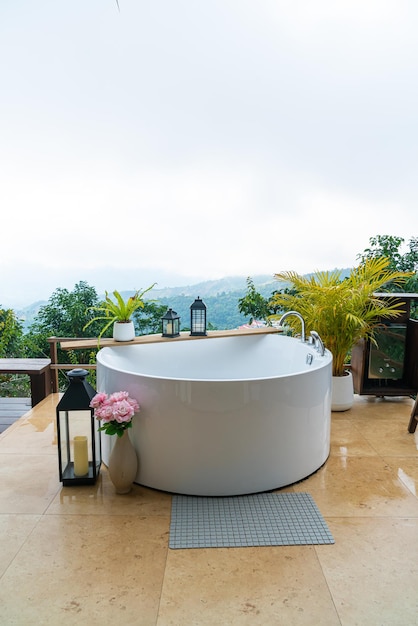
<point>83,555</point>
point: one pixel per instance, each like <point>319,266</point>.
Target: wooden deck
<point>11,409</point>
<point>38,370</point>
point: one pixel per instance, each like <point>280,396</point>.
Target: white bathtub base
<point>227,437</point>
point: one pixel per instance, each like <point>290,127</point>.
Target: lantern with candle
<point>79,447</point>
<point>198,318</point>
<point>171,324</point>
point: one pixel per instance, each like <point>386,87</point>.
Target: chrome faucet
<point>317,342</point>
<point>299,316</point>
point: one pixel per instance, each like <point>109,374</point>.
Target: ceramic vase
<point>342,392</point>
<point>123,331</point>
<point>123,464</point>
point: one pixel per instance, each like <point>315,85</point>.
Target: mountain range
<point>221,298</point>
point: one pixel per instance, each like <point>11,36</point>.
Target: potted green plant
<point>118,312</point>
<point>341,310</point>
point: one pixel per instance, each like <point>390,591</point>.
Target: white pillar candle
<point>81,458</point>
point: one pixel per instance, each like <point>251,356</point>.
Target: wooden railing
<point>83,343</point>
<point>55,366</point>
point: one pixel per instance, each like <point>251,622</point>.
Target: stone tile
<point>269,585</point>
<point>359,486</point>
<point>14,531</point>
<point>35,432</point>
<point>388,408</point>
<point>87,570</point>
<point>389,438</point>
<point>86,555</point>
<point>28,482</point>
<point>101,499</point>
<point>372,570</point>
<point>347,440</point>
<point>406,469</point>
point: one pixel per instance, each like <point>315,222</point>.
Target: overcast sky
<point>180,140</point>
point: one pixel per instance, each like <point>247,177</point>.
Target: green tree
<point>64,315</point>
<point>10,334</point>
<point>389,246</point>
<point>148,319</point>
<point>254,304</point>
<point>67,312</point>
<point>11,345</point>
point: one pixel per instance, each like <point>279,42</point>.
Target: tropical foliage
<point>341,310</point>
<point>117,310</point>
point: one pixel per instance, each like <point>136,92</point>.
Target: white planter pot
<point>123,331</point>
<point>342,392</point>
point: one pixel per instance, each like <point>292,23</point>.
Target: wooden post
<point>54,360</point>
<point>414,418</point>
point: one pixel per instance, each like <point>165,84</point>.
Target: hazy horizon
<point>102,284</point>
<point>174,282</point>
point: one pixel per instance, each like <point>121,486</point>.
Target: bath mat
<point>266,519</point>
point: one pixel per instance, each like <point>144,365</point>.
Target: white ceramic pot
<point>342,392</point>
<point>123,331</point>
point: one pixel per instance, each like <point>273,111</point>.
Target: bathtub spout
<point>299,316</point>
<point>317,342</point>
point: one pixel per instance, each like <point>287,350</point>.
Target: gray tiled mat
<point>265,519</point>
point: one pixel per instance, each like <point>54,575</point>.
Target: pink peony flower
<point>98,399</point>
<point>116,411</point>
<point>123,411</point>
<point>118,396</point>
<point>134,404</point>
<point>104,412</point>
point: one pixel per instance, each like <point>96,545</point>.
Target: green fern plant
<point>342,311</point>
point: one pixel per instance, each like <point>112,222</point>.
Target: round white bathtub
<point>226,415</point>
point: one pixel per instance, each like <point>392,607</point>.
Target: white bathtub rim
<point>317,363</point>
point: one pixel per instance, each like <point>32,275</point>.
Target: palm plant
<point>342,311</point>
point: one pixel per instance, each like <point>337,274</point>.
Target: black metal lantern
<point>79,445</point>
<point>198,318</point>
<point>171,324</point>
